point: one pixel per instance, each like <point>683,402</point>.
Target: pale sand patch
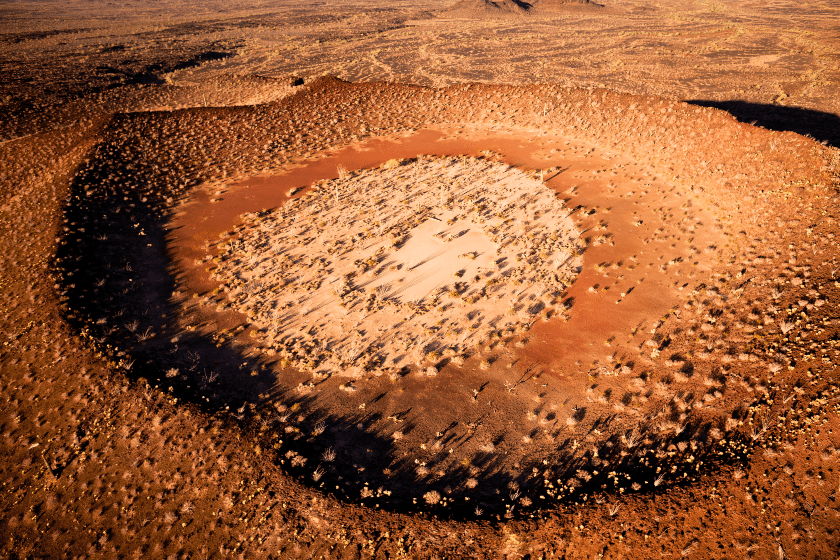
<point>434,254</point>
<point>401,265</point>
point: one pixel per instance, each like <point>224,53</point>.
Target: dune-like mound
<point>445,313</point>
<point>267,314</point>
<point>486,8</point>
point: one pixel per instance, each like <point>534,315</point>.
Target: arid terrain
<point>420,280</point>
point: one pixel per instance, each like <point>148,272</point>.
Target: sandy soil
<point>680,398</point>
<point>382,267</point>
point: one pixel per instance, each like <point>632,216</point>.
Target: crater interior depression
<point>381,269</point>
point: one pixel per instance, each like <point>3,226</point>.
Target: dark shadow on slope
<point>201,58</point>
<point>15,38</point>
<point>822,127</point>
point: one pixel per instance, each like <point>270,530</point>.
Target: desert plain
<point>420,280</point>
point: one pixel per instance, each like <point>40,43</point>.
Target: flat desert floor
<point>425,280</point>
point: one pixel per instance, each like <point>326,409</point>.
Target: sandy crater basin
<point>384,268</point>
